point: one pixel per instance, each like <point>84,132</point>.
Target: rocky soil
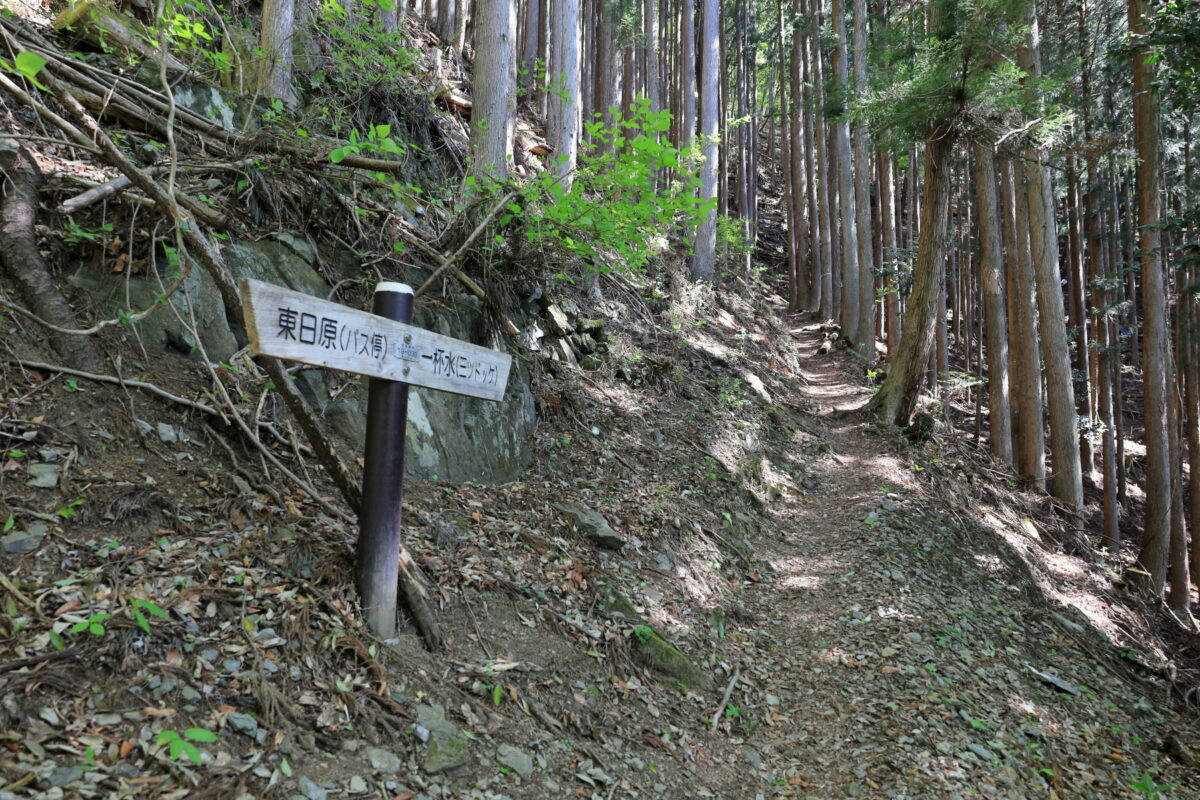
<point>708,583</point>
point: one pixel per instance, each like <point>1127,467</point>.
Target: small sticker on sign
<point>407,352</point>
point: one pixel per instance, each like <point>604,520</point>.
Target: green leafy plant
<point>27,65</point>
<point>378,140</point>
<point>178,745</point>
<point>71,509</point>
<point>76,234</point>
<point>731,394</point>
<point>620,200</point>
<point>93,625</point>
<point>1148,787</point>
<point>139,605</point>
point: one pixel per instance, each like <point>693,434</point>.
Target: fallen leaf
<point>126,749</point>
<point>67,607</point>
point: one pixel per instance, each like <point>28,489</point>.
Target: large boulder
<point>449,437</point>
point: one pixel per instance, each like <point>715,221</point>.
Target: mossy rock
<point>663,658</point>
<point>614,604</point>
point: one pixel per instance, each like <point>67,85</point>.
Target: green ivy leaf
<point>29,65</point>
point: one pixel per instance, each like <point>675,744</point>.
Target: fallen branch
<point>716,717</point>
<point>120,184</point>
<point>15,592</point>
<point>57,655</point>
<point>447,262</point>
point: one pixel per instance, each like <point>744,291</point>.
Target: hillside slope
<point>861,618</point>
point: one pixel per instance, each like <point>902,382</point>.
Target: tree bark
<point>847,207</point>
<point>887,219</point>
<point>864,336</point>
<point>804,159</point>
<point>1029,429</point>
<point>688,72</point>
<point>275,69</point>
<point>991,268</point>
<point>564,100</point>
<point>824,182</point>
<point>897,398</point>
<point>494,110</point>
<point>650,45</point>
<point>1156,361</point>
<point>20,178</point>
<point>704,262</point>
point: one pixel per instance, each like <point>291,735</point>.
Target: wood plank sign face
<point>299,327</point>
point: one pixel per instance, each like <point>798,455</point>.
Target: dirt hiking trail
<point>901,650</point>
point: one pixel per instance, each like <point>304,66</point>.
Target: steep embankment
<point>842,606</point>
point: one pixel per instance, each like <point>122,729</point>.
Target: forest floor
<point>861,616</point>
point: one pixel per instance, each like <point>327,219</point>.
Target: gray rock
<point>531,337</point>
<point>593,525</point>
<point>446,752</point>
<point>357,785</point>
<point>560,325</point>
<point>515,759</point>
<point>18,543</point>
<point>433,718</point>
<point>312,790</point>
<point>383,761</point>
<point>43,476</point>
<point>62,776</point>
<point>243,723</point>
<point>166,433</point>
<point>981,751</point>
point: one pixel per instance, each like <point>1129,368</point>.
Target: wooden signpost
<point>298,327</point>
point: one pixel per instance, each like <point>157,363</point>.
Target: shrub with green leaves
<point>631,185</point>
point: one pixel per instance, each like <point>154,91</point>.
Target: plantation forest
<point>492,399</point>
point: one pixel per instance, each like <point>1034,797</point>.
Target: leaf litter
<point>908,657</point>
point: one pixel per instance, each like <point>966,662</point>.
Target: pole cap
<point>390,286</point>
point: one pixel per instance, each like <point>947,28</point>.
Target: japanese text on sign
<point>329,333</point>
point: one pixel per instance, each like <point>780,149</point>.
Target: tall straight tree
<point>1156,361</point>
<point>494,112</point>
<point>687,74</point>
<point>650,54</point>
<point>565,97</point>
<point>278,28</point>
<point>896,399</point>
<point>1066,481</point>
<point>531,46</point>
<point>864,336</point>
<point>995,316</point>
<point>704,261</point>
<point>845,177</point>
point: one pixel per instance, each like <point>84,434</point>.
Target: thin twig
<point>716,717</point>
<point>57,655</point>
<point>99,378</point>
<point>14,591</point>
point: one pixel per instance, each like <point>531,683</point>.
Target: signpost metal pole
<point>383,479</point>
<point>282,323</point>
